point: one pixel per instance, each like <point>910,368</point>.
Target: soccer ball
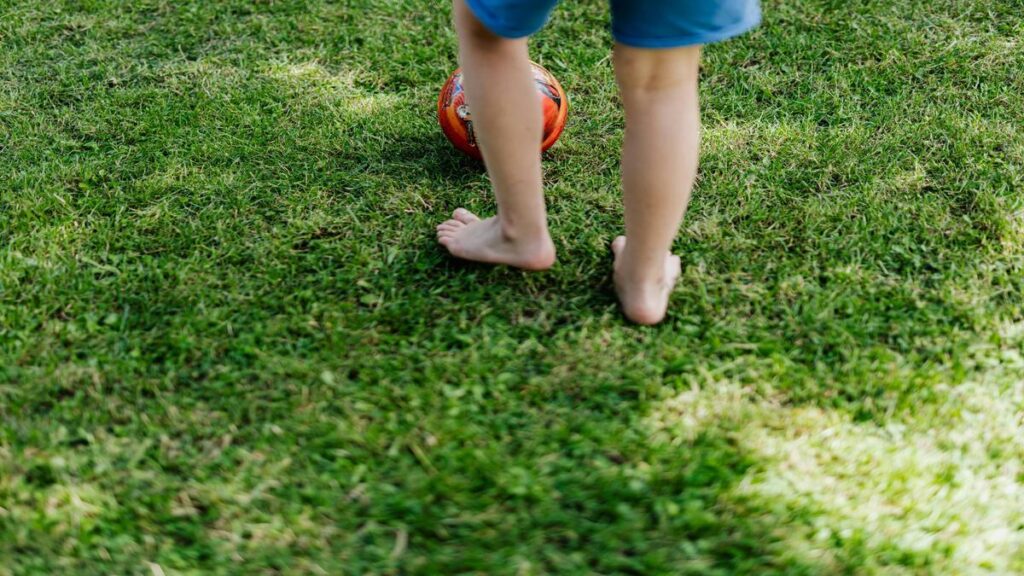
<point>457,121</point>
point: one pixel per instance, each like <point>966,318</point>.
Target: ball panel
<point>454,117</point>
<point>555,94</point>
<point>456,120</point>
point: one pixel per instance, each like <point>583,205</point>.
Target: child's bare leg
<point>507,119</point>
<point>659,164</point>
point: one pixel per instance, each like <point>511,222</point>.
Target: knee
<point>643,71</point>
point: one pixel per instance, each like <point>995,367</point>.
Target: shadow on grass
<point>531,479</point>
<point>613,506</point>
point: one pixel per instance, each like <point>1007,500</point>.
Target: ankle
<point>532,245</point>
<point>640,271</point>
<point>523,233</point>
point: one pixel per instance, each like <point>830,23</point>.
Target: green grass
<point>229,345</point>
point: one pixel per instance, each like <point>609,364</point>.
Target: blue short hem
<point>490,21</point>
<point>689,40</point>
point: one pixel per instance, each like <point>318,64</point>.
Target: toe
<point>618,244</point>
<point>449,226</point>
<point>464,216</point>
<point>451,243</point>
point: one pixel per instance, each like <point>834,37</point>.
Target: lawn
<point>230,345</point>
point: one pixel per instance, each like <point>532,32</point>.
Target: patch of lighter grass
<point>911,180</point>
<point>47,247</point>
<point>75,507</point>
<point>1013,240</point>
<point>943,482</point>
<point>311,72</point>
<point>314,80</point>
<point>733,136</point>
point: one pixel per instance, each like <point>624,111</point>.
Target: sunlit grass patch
<point>939,486</point>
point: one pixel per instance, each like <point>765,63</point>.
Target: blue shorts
<point>639,23</point>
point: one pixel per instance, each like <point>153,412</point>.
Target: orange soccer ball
<point>457,121</point>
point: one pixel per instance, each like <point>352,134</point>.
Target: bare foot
<point>644,301</point>
<point>468,237</point>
